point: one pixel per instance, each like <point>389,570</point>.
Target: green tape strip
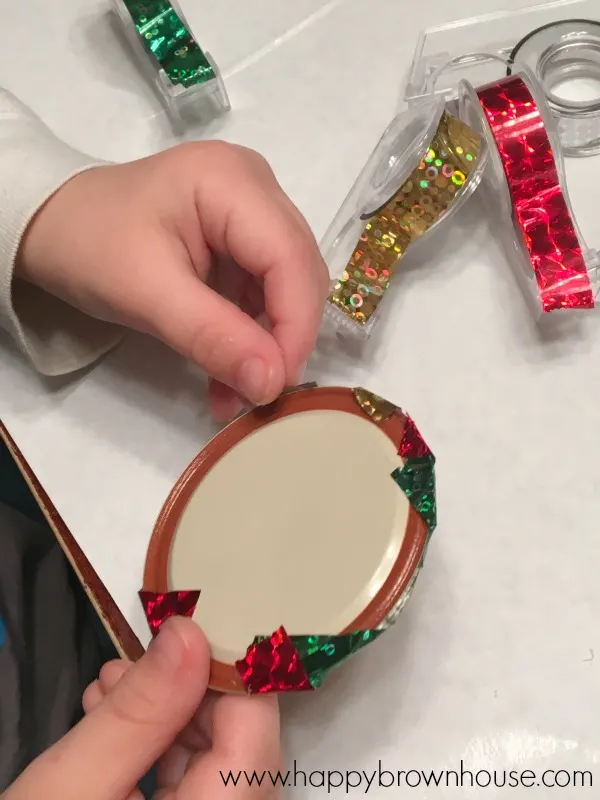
<point>166,38</point>
<point>321,654</point>
<point>417,481</point>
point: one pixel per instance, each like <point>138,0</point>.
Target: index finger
<point>113,747</point>
<point>258,225</point>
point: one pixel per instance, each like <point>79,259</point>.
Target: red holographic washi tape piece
<point>159,606</point>
<point>539,204</point>
<point>413,445</point>
<point>273,664</point>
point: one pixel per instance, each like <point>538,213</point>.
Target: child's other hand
<point>198,246</point>
<point>154,710</point>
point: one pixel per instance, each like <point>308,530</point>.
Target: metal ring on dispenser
<point>556,52</point>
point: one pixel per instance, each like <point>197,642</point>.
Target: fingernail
<point>254,378</point>
<point>168,648</point>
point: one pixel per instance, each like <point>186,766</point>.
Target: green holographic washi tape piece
<point>417,481</point>
<point>166,37</point>
<point>321,654</point>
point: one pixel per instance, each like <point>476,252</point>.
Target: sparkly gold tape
<point>419,203</point>
<point>374,406</point>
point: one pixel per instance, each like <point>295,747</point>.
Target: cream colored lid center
<point>297,525</point>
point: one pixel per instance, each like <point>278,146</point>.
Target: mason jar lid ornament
<point>187,79</point>
<point>295,537</point>
<point>526,187</point>
<point>425,166</point>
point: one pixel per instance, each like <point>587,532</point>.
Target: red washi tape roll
<point>540,207</point>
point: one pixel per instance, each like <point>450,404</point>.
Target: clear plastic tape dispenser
<point>556,48</point>
<point>558,42</point>
<point>201,94</point>
<point>561,52</point>
<point>424,168</point>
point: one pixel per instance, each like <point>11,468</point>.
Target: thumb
<point>218,336</point>
<point>109,751</point>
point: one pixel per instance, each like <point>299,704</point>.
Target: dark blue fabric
<point>15,493</point>
<point>148,785</point>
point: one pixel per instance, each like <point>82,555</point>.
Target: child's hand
<point>136,715</point>
<point>192,246</point>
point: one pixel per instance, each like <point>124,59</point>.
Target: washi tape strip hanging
<point>429,192</point>
<point>541,210</point>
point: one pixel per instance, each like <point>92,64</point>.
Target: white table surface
<point>494,660</point>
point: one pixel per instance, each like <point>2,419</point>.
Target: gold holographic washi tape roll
<point>421,201</point>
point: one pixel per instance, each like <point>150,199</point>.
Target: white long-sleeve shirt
<point>39,697</point>
<point>34,164</point>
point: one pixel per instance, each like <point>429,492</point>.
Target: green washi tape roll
<point>166,37</point>
<point>183,71</point>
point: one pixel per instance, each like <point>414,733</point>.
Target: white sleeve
<point>34,164</point>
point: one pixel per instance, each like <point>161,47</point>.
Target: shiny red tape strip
<point>539,204</point>
<point>159,606</point>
